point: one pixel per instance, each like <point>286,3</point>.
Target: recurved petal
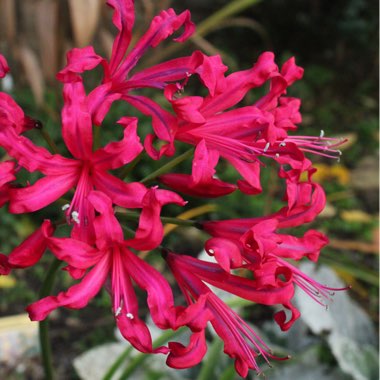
<point>76,297</point>
<point>117,154</point>
<point>45,191</point>
<point>164,123</point>
<point>128,195</point>
<point>100,100</point>
<point>161,27</point>
<point>79,60</point>
<point>181,356</point>
<point>149,233</point>
<point>138,334</point>
<point>11,114</point>
<point>32,248</point>
<point>33,157</point>
<point>74,252</point>
<point>123,18</point>
<point>226,252</point>
<point>7,173</point>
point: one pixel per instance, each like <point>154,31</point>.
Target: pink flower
<point>88,169</point>
<point>118,83</point>
<point>113,261</point>
<point>240,340</point>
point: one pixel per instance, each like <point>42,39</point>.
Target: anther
<point>277,155</point>
<point>118,311</point>
<point>130,316</point>
<point>211,251</point>
<point>65,207</point>
<point>75,217</point>
<point>267,145</point>
<point>321,135</point>
<point>282,144</point>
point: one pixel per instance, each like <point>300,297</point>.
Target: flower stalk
<point>45,343</point>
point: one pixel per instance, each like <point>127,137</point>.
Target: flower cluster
<point>252,258</point>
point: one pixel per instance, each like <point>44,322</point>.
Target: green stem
<point>117,363</point>
<point>167,167</point>
<point>130,215</point>
<point>44,325</point>
<point>49,140</point>
<point>140,358</point>
<point>209,365</point>
<point>218,17</point>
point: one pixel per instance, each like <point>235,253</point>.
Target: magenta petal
<point>76,121</point>
<point>128,195</point>
<point>11,114</point>
<point>107,227</point>
<point>4,68</point>
<point>75,297</point>
<point>138,334</point>
<point>159,294</point>
<point>239,83</point>
<point>74,252</point>
<point>161,27</point>
<point>100,100</point>
<point>7,173</point>
<point>226,252</point>
<point>31,249</point>
<point>150,231</point>
<point>123,18</point>
<point>29,198</point>
<point>159,75</point>
<point>211,73</point>
<point>33,157</point>
<point>164,123</point>
<point>184,183</point>
<point>181,356</point>
<point>195,316</point>
<point>117,154</point>
<point>78,61</point>
<point>186,108</point>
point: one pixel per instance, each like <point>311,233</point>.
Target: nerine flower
<point>240,341</point>
<point>111,263</point>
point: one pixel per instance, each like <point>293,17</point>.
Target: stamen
<point>118,311</point>
<point>75,217</point>
<point>322,134</point>
<point>282,144</point>
<point>65,207</point>
<point>130,316</point>
<point>211,251</point>
<point>267,145</point>
<point>277,155</point>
